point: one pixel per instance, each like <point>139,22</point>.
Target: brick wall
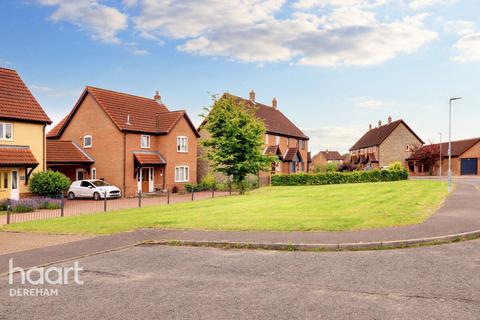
<point>394,147</point>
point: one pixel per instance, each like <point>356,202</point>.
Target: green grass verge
<point>299,208</point>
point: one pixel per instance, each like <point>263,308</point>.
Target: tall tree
<point>234,145</point>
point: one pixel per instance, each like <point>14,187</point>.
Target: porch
<point>16,165</point>
<point>149,171</point>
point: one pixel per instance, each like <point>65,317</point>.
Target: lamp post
<point>450,143</point>
<point>440,171</point>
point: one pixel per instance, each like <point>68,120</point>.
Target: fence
<point>30,209</point>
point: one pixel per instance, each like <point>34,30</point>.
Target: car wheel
<point>96,196</point>
<point>71,196</point>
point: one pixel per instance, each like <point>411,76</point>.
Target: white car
<point>96,189</point>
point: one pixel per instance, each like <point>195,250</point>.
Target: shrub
<point>395,166</point>
<point>49,183</point>
<point>175,189</point>
<point>208,181</point>
<point>338,177</point>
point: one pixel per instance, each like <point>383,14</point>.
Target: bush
<point>395,166</point>
<point>328,167</point>
<point>49,183</point>
<point>208,182</point>
<point>338,177</point>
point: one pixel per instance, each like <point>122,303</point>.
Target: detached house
<point>133,142</point>
<point>465,159</point>
<point>325,157</point>
<point>385,144</point>
<point>22,135</point>
<point>283,138</point>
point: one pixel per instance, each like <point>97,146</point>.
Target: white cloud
<point>250,31</point>
<point>371,104</point>
<point>4,62</point>
<point>460,27</point>
<point>468,48</point>
<point>333,138</point>
<point>421,4</point>
<point>101,21</point>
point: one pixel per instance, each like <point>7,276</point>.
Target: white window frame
<point>407,147</point>
<point>77,171</point>
<point>91,141</point>
<point>277,140</point>
<point>141,141</point>
<point>94,173</point>
<point>182,147</point>
<point>4,128</point>
<point>185,171</point>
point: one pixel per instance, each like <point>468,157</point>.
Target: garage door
<point>469,166</point>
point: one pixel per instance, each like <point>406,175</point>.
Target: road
<point>159,282</point>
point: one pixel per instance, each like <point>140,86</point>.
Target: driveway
<point>158,282</point>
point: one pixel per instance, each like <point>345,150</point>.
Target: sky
<point>335,66</point>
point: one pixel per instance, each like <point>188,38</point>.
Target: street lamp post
<point>440,171</point>
<point>450,143</point>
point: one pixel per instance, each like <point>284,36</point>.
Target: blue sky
<point>334,65</point>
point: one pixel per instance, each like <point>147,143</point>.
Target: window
<point>6,131</point>
<point>94,173</point>
<point>87,141</point>
<point>277,140</point>
<point>266,139</point>
<point>182,144</point>
<point>302,144</point>
<point>85,184</point>
<point>4,180</point>
<point>407,147</point>
<point>181,174</point>
<point>145,141</point>
<point>79,174</point>
<point>14,180</point>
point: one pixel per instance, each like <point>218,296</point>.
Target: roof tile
<point>12,156</point>
<point>16,101</point>
<point>61,151</point>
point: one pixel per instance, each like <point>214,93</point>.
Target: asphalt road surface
<point>158,282</point>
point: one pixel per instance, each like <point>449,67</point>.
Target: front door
<point>15,193</point>
<point>145,179</point>
<point>469,166</point>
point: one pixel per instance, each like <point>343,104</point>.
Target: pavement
<point>459,214</point>
<point>160,282</point>
<point>14,242</point>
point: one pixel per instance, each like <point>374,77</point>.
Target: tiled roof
<point>60,151</point>
<point>290,154</point>
<point>129,113</point>
<point>376,136</point>
<point>372,157</point>
<point>275,121</point>
<point>16,101</point>
<point>149,158</point>
<point>331,155</point>
<point>17,156</point>
<point>459,147</point>
<point>272,151</point>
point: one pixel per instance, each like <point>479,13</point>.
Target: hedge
<point>338,177</point>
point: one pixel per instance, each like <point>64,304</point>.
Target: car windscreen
<point>100,183</point>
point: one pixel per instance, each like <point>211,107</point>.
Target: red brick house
<point>465,159</point>
<point>326,157</point>
<point>283,138</point>
<point>133,142</point>
<point>385,144</point>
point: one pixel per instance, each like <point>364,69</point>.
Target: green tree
<point>234,145</point>
<point>49,183</point>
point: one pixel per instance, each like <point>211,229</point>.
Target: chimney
<point>128,120</point>
<point>389,119</point>
<point>157,97</point>
<point>369,127</point>
<point>274,103</point>
<point>379,123</point>
<point>252,96</point>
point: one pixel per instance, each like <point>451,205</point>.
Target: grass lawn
<point>299,208</point>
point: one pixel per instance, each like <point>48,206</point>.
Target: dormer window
<point>87,141</point>
<point>145,141</point>
<point>6,131</point>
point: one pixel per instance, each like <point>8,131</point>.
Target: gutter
<point>124,162</point>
